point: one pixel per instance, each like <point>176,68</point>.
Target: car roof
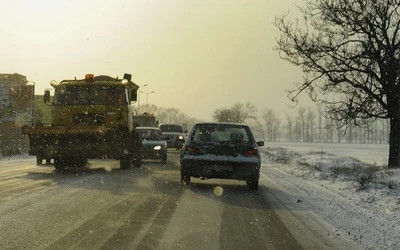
<point>221,123</point>
<point>170,124</point>
<point>148,128</point>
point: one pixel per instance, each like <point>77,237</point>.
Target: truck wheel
<point>252,183</point>
<point>39,160</point>
<point>137,150</point>
<point>125,162</point>
<point>79,162</point>
<point>60,163</point>
<point>137,163</point>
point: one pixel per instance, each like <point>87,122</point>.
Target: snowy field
<point>368,153</point>
<point>348,185</point>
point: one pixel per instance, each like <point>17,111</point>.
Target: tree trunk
<point>394,142</point>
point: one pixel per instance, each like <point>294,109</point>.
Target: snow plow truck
<point>90,118</point>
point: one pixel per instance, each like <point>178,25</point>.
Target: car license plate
<point>221,168</point>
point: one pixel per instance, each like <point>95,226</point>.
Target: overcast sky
<point>195,55</point>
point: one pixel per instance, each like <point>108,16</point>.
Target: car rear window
<point>150,134</point>
<point>221,133</point>
<point>171,128</point>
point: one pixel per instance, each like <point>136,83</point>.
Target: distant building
<point>8,82</point>
<point>15,96</point>
<point>15,110</point>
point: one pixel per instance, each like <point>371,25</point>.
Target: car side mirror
<point>133,95</point>
<point>46,97</point>
<point>260,143</point>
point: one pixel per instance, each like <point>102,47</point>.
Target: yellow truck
<point>90,118</point>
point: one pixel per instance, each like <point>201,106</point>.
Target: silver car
<point>154,145</point>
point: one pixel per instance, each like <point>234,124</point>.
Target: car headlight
<point>180,137</point>
<point>157,148</point>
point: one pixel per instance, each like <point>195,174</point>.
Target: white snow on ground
<point>16,159</point>
<point>360,198</point>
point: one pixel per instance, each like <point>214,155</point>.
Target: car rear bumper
<point>174,143</point>
<point>220,169</point>
<point>153,154</point>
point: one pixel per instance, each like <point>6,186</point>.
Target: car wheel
<point>164,158</point>
<point>185,179</point>
<point>79,162</point>
<point>252,183</point>
<point>137,162</point>
<point>125,163</point>
<point>137,159</point>
<point>60,163</point>
<point>39,160</point>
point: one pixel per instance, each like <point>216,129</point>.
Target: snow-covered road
<point>322,199</point>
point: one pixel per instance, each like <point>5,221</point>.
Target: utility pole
<point>139,99</point>
<point>147,94</point>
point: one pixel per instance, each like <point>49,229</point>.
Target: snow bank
<point>367,194</point>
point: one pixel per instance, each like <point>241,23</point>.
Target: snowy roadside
<point>361,200</point>
<point>7,161</point>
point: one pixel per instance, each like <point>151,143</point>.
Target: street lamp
<point>138,99</point>
<point>33,98</point>
<point>147,94</point>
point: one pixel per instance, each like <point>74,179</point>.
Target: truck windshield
<point>89,95</point>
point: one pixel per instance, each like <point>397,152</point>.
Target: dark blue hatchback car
<point>221,150</point>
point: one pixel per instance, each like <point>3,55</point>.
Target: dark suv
<point>221,150</point>
<point>173,134</point>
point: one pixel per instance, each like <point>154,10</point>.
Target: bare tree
<point>258,128</point>
<point>329,126</point>
<point>349,51</point>
<point>350,133</point>
<point>310,125</point>
<point>276,128</point>
<point>301,117</point>
<point>174,115</point>
<point>339,132</point>
<point>238,113</point>
<point>168,115</point>
<point>243,112</point>
<point>268,116</point>
<point>223,115</point>
<point>297,129</point>
<point>320,122</point>
<point>289,127</point>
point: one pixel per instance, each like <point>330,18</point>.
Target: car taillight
<point>250,152</point>
<point>190,150</point>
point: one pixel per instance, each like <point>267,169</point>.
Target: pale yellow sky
<point>196,55</point>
